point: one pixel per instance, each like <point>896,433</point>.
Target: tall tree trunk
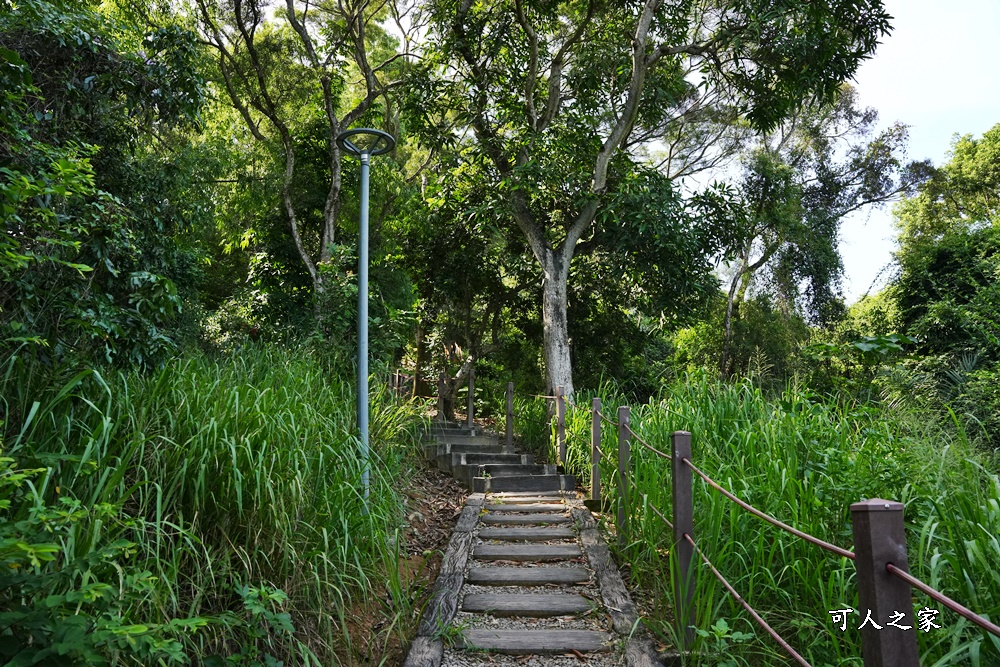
<point>728,321</point>
<point>421,357</point>
<point>555,278</point>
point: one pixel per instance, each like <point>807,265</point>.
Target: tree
<point>94,249</point>
<point>289,76</point>
<point>946,292</point>
<point>799,182</point>
<point>560,95</point>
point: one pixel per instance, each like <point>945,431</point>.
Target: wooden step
<point>526,507</point>
<point>523,483</point>
<point>534,605</point>
<point>527,642</point>
<point>503,518</point>
<point>534,553</point>
<point>526,534</point>
<point>527,576</point>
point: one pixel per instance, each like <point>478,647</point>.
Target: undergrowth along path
<point>526,578</point>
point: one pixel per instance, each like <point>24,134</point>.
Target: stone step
<point>523,483</point>
<point>467,472</point>
<point>527,553</point>
<point>534,605</point>
<point>538,534</point>
<point>526,507</point>
<point>524,519</point>
<point>529,642</point>
<point>527,576</point>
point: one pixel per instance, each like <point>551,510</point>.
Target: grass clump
<point>217,502</point>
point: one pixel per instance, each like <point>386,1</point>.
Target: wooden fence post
<point>510,415</point>
<point>561,424</point>
<point>880,539</point>
<point>595,453</point>
<point>624,455</point>
<point>472,396</point>
<point>683,551</point>
<point>441,396</point>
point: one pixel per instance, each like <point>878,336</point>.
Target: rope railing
<point>760,621</point>
<point>646,444</point>
<point>610,421</point>
<point>938,596</point>
<point>657,512</point>
<point>770,519</point>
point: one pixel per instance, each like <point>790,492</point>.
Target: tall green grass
<point>804,460</point>
<point>231,475</point>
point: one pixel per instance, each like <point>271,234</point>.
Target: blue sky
<point>938,72</point>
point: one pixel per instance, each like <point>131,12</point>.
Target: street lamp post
<point>367,142</point>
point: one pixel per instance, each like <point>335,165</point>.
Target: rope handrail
<point>944,599</point>
<point>646,444</point>
<point>756,512</point>
<point>658,513</point>
<point>601,414</point>
<point>732,591</point>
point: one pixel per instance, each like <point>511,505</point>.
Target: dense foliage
<point>178,473</point>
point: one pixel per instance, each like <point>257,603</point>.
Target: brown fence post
<point>510,415</point>
<point>880,539</point>
<point>561,424</point>
<point>595,453</point>
<point>472,396</point>
<point>441,396</point>
<point>683,551</point>
<point>624,455</point>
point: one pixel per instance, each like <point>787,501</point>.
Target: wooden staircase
<point>525,573</point>
<point>486,466</point>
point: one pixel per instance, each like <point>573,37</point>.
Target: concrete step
<point>533,605</point>
<point>528,497</point>
<point>448,438</point>
<point>530,642</point>
<point>523,483</point>
<point>505,519</point>
<point>527,553</point>
<point>454,428</point>
<point>433,451</point>
<point>527,576</point>
<point>526,507</point>
<point>537,534</point>
<point>448,462</point>
<point>467,472</point>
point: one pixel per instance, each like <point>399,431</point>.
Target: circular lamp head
<point>366,140</point>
